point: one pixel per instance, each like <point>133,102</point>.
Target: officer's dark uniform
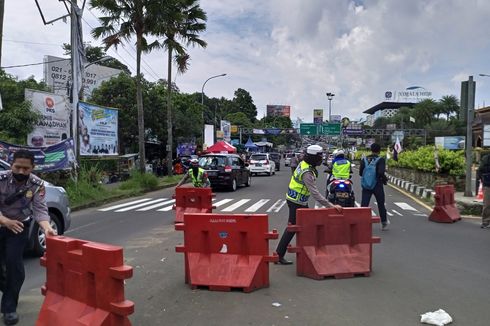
<point>23,203</point>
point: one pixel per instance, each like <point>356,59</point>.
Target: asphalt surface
<point>419,266</point>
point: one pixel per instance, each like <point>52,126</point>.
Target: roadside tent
<point>221,147</point>
<point>250,145</point>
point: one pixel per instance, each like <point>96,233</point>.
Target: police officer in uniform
<point>198,176</point>
<point>21,200</point>
<point>301,186</point>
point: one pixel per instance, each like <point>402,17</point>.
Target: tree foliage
<point>96,53</point>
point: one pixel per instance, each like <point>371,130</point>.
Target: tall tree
<point>449,105</point>
<point>96,53</point>
<point>243,102</point>
<point>179,22</point>
<point>122,20</point>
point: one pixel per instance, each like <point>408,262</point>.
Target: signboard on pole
<point>486,135</point>
<point>226,129</point>
<point>397,134</point>
<point>308,129</point>
<point>331,129</point>
<point>318,116</point>
<point>54,125</point>
<point>208,136</point>
<point>450,142</point>
<point>97,130</point>
<point>335,118</point>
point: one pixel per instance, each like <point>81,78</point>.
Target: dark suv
<point>276,157</point>
<point>226,170</point>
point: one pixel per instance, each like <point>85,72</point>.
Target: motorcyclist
<point>341,168</point>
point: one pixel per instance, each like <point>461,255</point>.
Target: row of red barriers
<point>84,284</point>
<point>192,200</point>
<point>445,210</point>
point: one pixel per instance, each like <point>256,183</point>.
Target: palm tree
<point>122,20</point>
<point>179,23</point>
<point>449,104</point>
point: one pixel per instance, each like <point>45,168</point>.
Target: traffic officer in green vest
<point>341,168</point>
<point>198,176</point>
<point>301,186</point>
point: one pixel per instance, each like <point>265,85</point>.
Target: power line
<point>27,42</point>
<point>33,64</point>
<point>155,74</point>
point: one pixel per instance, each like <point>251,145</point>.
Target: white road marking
<point>420,214</point>
<point>405,207</point>
<point>124,205</point>
<point>277,206</point>
<point>166,209</point>
<point>222,202</point>
<point>389,214</point>
<point>397,213</point>
<point>257,205</point>
<point>239,203</point>
<point>144,209</point>
<point>125,209</point>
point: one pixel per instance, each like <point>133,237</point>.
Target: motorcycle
<point>340,192</point>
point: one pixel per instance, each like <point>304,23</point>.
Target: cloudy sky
<point>294,51</point>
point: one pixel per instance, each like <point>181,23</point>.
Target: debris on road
<point>276,304</point>
<point>163,259</point>
<point>438,318</point>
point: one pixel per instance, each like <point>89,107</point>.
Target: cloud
<point>293,52</point>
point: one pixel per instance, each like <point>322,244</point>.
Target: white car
<point>262,163</point>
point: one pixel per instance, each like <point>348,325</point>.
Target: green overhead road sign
<point>308,129</point>
<point>330,129</point>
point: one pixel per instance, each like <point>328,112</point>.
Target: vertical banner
<point>318,116</point>
<point>97,130</point>
<point>208,136</point>
<point>54,125</point>
<point>226,129</point>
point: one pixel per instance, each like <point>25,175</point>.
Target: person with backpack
<point>483,174</point>
<point>372,172</point>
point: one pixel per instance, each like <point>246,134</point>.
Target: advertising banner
<point>318,116</point>
<point>336,118</point>
<point>186,149</point>
<point>450,142</point>
<point>278,110</point>
<point>226,129</point>
<point>97,130</point>
<point>208,136</point>
<point>234,129</point>
<point>47,159</point>
<point>54,125</point>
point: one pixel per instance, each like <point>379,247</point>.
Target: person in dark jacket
<point>483,174</point>
<point>378,191</point>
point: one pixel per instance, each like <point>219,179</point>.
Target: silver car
<point>59,211</point>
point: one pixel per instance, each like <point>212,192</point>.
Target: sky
<point>293,52</point>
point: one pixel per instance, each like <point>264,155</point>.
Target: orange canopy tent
<point>221,147</point>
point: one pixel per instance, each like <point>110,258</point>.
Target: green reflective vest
<point>298,192</point>
<point>341,169</point>
<point>197,182</point>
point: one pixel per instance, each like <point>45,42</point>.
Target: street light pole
<point>202,103</point>
<point>330,98</point>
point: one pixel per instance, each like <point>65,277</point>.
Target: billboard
<point>410,94</point>
<point>97,130</point>
<point>318,116</point>
<point>450,142</point>
<point>208,136</point>
<point>46,159</point>
<point>54,125</point>
<point>57,75</point>
<point>278,110</point>
<point>335,118</point>
<point>226,129</point>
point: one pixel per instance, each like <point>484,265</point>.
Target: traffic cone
<point>479,196</point>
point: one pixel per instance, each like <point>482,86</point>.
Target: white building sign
<point>411,94</point>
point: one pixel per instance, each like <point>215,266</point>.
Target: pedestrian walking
<point>483,174</point>
<point>21,200</point>
<point>301,186</point>
<point>373,179</point>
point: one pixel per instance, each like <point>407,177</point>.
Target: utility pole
<point>468,107</point>
<point>75,34</point>
<point>2,11</point>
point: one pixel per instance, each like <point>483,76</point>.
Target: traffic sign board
<point>331,129</point>
<point>308,129</point>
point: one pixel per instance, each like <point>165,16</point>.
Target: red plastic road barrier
<point>227,251</point>
<point>192,200</point>
<point>445,210</point>
<point>332,244</point>
<point>84,284</point>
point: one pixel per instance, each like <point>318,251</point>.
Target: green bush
<point>422,159</point>
<point>140,181</point>
<point>86,187</point>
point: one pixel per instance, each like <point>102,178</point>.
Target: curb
<point>97,203</point>
<point>468,210</point>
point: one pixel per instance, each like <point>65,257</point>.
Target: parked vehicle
<point>262,163</point>
<point>226,170</point>
<point>59,211</point>
<point>276,157</point>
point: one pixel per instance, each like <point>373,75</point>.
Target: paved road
<point>418,267</point>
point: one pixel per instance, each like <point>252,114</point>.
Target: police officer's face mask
<point>20,177</point>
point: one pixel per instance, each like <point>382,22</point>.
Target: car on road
<point>262,163</point>
<point>276,157</point>
<point>287,159</point>
<point>226,170</point>
<point>58,209</point>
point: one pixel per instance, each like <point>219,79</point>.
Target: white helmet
<point>194,161</point>
<point>314,150</point>
<point>340,152</point>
